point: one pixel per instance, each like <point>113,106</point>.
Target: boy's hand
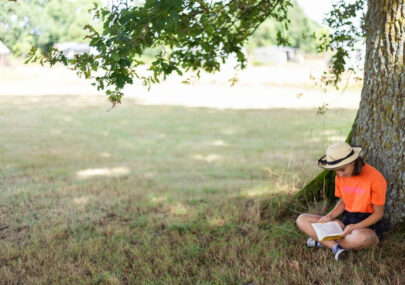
<point>325,219</point>
<point>348,230</point>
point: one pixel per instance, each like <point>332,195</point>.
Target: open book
<point>327,231</point>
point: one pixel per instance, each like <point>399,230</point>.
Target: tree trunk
<point>380,124</point>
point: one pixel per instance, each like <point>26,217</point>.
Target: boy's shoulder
<point>371,171</point>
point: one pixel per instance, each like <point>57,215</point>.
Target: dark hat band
<point>323,161</point>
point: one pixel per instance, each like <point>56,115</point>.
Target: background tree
<point>198,34</point>
<point>299,32</point>
<point>41,23</point>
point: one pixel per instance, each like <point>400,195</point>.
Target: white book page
<point>327,229</point>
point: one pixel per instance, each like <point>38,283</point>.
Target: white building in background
<point>70,49</point>
<point>277,54</point>
<point>4,53</point>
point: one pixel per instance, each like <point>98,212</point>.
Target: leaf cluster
<point>346,21</point>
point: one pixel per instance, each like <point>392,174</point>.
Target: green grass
<point>165,195</point>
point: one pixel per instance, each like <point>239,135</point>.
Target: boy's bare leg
<point>359,239</point>
<point>304,222</point>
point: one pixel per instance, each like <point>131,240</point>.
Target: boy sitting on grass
<point>361,189</point>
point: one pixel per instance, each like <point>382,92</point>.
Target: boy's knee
<point>368,239</point>
<point>300,220</point>
<point>364,239</point>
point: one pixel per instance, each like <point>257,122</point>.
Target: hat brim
<point>344,162</point>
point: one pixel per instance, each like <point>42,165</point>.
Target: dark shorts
<point>354,218</point>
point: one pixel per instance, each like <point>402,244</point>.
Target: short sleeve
<point>378,190</point>
<point>337,188</point>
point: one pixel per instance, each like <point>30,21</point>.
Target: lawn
<point>166,195</point>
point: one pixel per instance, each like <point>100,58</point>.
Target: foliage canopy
<point>192,35</point>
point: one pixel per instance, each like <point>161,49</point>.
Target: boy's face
<point>345,171</point>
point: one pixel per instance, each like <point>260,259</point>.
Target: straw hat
<point>339,154</point>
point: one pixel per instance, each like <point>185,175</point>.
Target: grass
<point>165,195</point>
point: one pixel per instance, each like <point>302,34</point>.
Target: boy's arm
<point>339,208</point>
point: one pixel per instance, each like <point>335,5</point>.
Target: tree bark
<point>380,124</point>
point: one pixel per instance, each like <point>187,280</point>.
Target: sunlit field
<point>166,195</point>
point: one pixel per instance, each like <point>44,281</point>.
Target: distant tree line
<point>41,23</point>
<point>299,34</point>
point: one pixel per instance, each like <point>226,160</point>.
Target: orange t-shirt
<point>360,192</point>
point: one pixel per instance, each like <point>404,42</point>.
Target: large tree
<point>380,123</point>
<point>379,126</point>
<point>201,34</point>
